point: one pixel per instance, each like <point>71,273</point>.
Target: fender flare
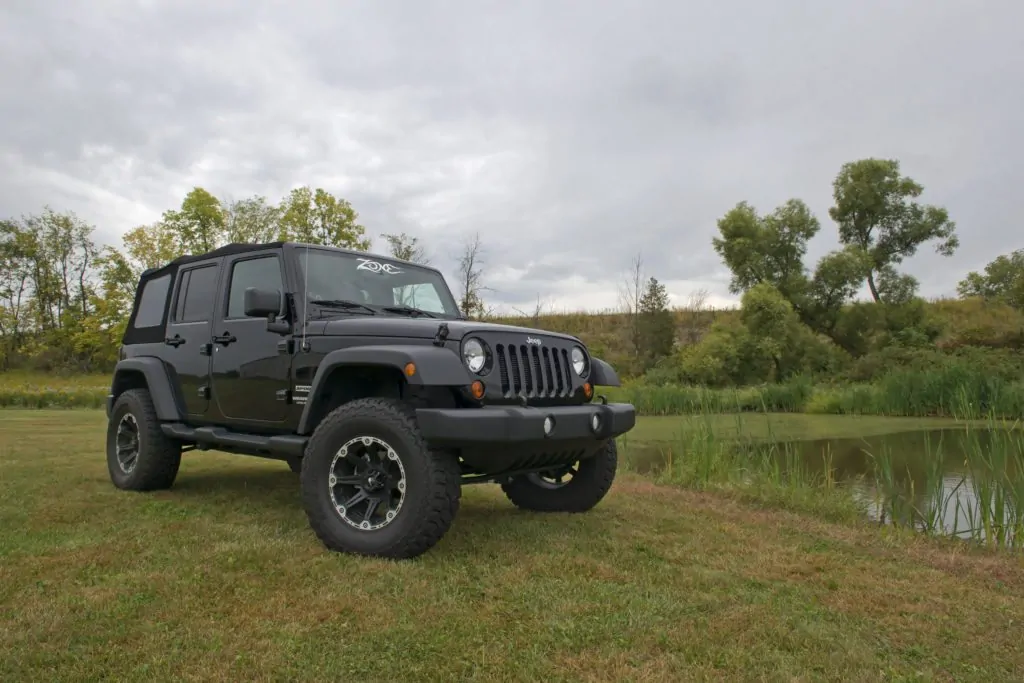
<point>602,374</point>
<point>161,389</point>
<point>435,367</point>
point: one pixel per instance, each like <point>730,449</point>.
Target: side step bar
<point>278,447</point>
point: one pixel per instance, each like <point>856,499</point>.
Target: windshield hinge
<point>442,334</point>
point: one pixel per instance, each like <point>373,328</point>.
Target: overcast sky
<point>571,135</point>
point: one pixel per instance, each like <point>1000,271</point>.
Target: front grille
<point>529,371</point>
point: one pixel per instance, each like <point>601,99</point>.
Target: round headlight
<point>473,355</point>
<point>579,361</point>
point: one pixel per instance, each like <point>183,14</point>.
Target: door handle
<point>224,339</point>
<point>174,341</point>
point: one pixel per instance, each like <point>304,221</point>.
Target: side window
<point>199,287</point>
<point>152,302</point>
<point>263,272</point>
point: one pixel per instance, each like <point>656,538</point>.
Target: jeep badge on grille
<point>533,340</point>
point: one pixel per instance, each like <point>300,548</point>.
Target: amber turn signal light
<point>477,389</point>
<point>410,369</point>
<point>588,390</point>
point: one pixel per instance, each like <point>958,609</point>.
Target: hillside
<point>963,322</point>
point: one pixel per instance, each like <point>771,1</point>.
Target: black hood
<point>417,328</point>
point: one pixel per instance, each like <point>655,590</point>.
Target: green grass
<point>221,579</point>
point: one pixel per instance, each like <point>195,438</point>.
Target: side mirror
<point>263,303</point>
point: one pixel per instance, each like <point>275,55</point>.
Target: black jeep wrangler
<point>362,374</point>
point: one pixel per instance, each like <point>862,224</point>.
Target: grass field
<point>220,579</point>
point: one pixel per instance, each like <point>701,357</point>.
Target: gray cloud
<point>570,135</point>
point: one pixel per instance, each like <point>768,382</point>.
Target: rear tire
<point>140,457</point>
<point>371,486</point>
<point>590,482</point>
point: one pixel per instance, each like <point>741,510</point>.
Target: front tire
<point>140,457</point>
<point>549,491</point>
<point>371,486</point>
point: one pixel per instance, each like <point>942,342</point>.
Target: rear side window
<point>262,273</point>
<point>151,304</point>
<point>196,294</point>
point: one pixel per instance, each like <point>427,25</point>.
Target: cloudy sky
<point>570,135</point>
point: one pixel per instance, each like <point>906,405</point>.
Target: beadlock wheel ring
<point>367,483</point>
<point>126,443</point>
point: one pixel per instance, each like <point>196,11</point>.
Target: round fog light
<point>595,422</point>
<point>549,424</point>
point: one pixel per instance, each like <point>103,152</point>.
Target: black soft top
<point>226,250</point>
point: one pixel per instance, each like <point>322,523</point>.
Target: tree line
<point>64,300</point>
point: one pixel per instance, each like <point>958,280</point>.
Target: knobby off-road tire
<point>156,458</point>
<point>432,487</point>
<point>589,484</point>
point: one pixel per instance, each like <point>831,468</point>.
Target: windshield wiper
<point>408,309</point>
<point>342,303</point>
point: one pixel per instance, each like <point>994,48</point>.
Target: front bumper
<point>516,424</point>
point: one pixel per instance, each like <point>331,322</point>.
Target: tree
<point>318,217</point>
<point>15,290</point>
<point>252,220</point>
<point>630,293</point>
<point>471,277</point>
<point>407,248</point>
<point>776,333</point>
<point>835,282</point>
<point>198,225</point>
<point>1002,280</point>
<point>151,246</point>
<point>656,326</point>
<point>875,213</point>
<point>768,249</point>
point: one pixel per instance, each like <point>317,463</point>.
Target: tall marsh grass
<point>978,495</point>
<point>39,390</point>
<point>938,393</point>
<point>758,470</point>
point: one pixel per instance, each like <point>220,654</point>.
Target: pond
<point>967,482</point>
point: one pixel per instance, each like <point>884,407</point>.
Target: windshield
<point>374,281</point>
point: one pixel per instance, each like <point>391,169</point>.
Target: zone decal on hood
<point>377,267</point>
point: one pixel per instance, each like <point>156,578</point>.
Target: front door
<point>250,372</point>
<point>188,334</point>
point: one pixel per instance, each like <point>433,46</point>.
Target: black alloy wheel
<point>367,483</point>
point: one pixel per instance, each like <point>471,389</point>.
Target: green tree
<point>768,249</point>
<point>318,217</point>
<point>655,325</point>
<point>150,246</point>
<point>1002,280</point>
<point>836,280</point>
<point>779,337</point>
<point>875,213</point>
<point>199,225</point>
<point>252,220</point>
<point>15,290</point>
